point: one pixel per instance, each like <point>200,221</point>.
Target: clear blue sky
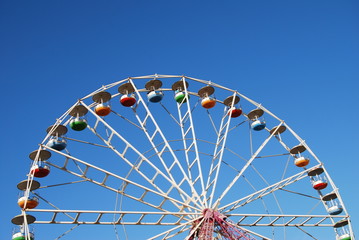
<point>299,58</point>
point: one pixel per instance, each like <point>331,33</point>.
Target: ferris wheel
<point>175,157</point>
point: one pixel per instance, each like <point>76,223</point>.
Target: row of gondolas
<point>155,95</point>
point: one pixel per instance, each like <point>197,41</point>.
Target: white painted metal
<point>262,220</point>
<point>104,177</point>
<point>242,170</point>
<point>265,191</point>
<point>217,156</point>
<point>190,145</point>
<point>179,184</point>
<point>151,135</point>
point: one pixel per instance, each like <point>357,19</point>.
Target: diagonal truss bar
<point>218,153</point>
<point>327,176</point>
<point>169,233</point>
<point>190,142</point>
<point>249,162</point>
<point>136,167</point>
<point>104,176</point>
<point>151,135</point>
<point>265,191</point>
<point>260,220</point>
<point>317,159</point>
<point>285,220</point>
<point>251,232</point>
<point>231,231</point>
<point>54,216</point>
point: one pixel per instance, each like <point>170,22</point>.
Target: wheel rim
<point>158,183</point>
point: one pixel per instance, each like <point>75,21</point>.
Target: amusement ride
<point>176,157</point>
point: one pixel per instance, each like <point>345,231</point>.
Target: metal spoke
<point>136,167</point>
<point>265,220</point>
<point>243,170</point>
<point>217,156</point>
<point>185,169</point>
<point>103,177</point>
<point>152,134</point>
<point>190,144</point>
<point>103,217</point>
<point>265,191</point>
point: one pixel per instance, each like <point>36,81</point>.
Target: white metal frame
<point>204,186</point>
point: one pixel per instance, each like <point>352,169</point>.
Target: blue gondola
<point>155,96</point>
<point>57,144</point>
<point>258,125</point>
<point>335,210</point>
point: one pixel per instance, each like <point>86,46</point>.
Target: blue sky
<point>298,58</point>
